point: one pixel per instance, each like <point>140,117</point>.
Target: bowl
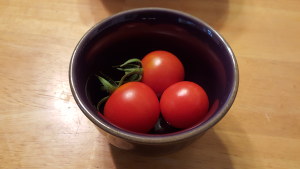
<point>206,56</point>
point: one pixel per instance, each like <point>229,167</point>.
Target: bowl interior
<point>207,59</point>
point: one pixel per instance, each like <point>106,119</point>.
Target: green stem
<point>127,69</point>
<point>132,79</point>
<point>133,61</point>
<point>128,65</point>
<point>101,101</point>
<point>139,79</point>
<point>138,71</point>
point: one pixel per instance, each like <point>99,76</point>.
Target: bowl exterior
<point>146,149</point>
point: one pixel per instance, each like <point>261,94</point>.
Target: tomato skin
<point>184,104</point>
<point>134,107</point>
<point>161,70</point>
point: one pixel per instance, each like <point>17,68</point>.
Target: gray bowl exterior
<point>151,145</point>
<point>148,149</point>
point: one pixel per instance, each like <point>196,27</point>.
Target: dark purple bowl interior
<point>207,59</point>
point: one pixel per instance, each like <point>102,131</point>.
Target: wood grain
<point>42,127</point>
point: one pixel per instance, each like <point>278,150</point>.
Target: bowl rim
<point>147,138</point>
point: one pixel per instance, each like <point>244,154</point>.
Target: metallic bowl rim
<point>156,139</point>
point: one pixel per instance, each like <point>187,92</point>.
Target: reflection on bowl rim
<point>164,138</point>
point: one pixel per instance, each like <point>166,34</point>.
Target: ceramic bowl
<point>206,56</point>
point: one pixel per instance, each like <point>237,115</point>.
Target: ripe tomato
<point>133,106</point>
<point>161,70</point>
<point>184,104</point>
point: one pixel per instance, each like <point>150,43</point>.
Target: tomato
<point>133,106</point>
<point>184,104</point>
<point>161,70</point>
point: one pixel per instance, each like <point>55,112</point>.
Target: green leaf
<point>133,61</point>
<point>106,85</point>
<point>110,80</point>
<point>129,66</point>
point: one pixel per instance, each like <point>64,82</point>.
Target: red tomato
<point>184,104</point>
<point>161,70</point>
<point>133,106</point>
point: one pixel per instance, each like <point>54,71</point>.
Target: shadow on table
<point>213,12</point>
<point>208,152</point>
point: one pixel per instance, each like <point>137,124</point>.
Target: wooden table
<point>42,127</point>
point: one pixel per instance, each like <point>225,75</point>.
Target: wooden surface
<point>42,127</point>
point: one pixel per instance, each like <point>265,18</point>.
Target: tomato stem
<point>132,79</point>
<point>130,65</point>
<point>138,71</point>
<point>134,60</point>
<point>102,101</point>
<point>133,69</point>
